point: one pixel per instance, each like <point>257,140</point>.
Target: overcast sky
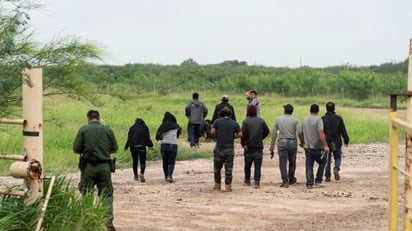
<point>277,33</point>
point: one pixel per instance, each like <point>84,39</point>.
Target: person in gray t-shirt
<point>313,140</point>
<point>287,126</point>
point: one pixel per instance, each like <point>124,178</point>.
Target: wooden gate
<point>396,125</point>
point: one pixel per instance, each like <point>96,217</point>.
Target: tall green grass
<point>66,211</point>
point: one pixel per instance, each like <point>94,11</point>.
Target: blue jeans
<point>194,133</point>
<point>169,153</point>
<point>255,157</point>
<point>313,155</point>
<point>337,156</point>
<point>138,153</point>
<point>287,149</point>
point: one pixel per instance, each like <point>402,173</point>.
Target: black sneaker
<point>327,179</point>
<point>292,181</point>
<point>309,186</point>
<point>246,182</point>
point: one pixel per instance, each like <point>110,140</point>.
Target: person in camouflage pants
<point>223,157</point>
<point>225,130</point>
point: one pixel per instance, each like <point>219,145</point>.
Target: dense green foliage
<point>358,83</point>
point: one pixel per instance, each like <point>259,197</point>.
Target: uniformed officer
<point>95,142</point>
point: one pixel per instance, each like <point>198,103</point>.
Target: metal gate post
<point>33,129</point>
<point>31,170</point>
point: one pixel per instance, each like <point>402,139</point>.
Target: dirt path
<point>359,201</point>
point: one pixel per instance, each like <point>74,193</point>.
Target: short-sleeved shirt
<point>95,140</point>
<point>310,127</point>
<point>226,129</point>
<point>287,126</point>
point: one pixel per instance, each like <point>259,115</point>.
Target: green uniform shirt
<point>95,140</point>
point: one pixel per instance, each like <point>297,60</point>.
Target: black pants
<point>138,153</point>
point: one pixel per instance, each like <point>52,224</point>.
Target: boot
<point>217,187</point>
<point>142,178</point>
<point>336,173</point>
<point>228,188</point>
<point>257,184</point>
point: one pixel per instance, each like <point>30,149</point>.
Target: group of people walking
<point>321,138</point>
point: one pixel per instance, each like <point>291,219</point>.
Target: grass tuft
<point>66,211</point>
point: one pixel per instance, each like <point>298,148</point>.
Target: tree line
<point>359,83</point>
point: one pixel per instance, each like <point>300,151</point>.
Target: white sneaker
<point>318,185</point>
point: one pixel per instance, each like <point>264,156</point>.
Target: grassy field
<point>63,117</point>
